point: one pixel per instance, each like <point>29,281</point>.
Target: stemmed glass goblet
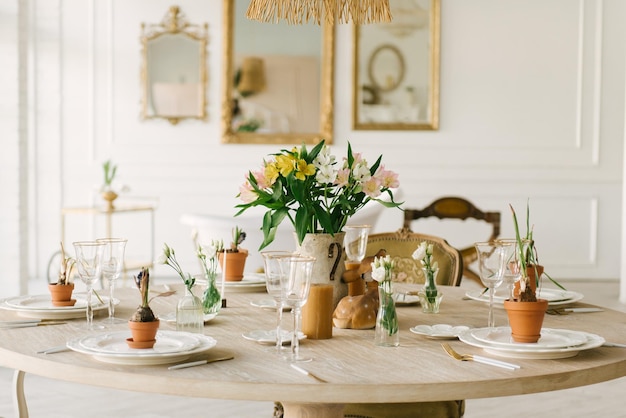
<point>296,282</point>
<point>89,267</point>
<point>512,268</point>
<point>355,242</point>
<point>491,261</point>
<point>273,274</point>
<point>112,265</point>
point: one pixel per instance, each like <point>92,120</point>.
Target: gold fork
<point>478,359</point>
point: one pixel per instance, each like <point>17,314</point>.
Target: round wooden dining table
<point>354,368</point>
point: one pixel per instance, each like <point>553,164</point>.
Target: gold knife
<point>199,362</point>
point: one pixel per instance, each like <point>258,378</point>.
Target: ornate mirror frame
<point>174,25</point>
<point>371,103</point>
<point>326,91</point>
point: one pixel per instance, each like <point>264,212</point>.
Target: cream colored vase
<point>329,261</point>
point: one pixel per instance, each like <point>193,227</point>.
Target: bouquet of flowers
<point>314,190</point>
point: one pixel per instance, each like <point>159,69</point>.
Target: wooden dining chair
<point>454,207</point>
<point>401,244</point>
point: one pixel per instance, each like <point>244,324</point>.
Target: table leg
<point>312,410</point>
<point>19,400</point>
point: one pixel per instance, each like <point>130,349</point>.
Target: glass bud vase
<point>189,315</point>
<point>211,299</point>
<point>430,297</point>
<point>386,333</point>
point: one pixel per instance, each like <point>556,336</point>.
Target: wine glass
<point>491,261</point>
<point>112,265</point>
<point>512,269</point>
<point>273,274</point>
<point>295,283</point>
<point>355,243</point>
<point>89,267</point>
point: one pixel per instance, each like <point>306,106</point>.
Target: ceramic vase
<point>143,334</point>
<point>329,261</point>
<point>61,294</point>
<point>526,319</point>
<point>235,264</point>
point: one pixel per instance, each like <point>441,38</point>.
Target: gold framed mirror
<point>275,91</point>
<point>173,70</point>
<point>396,69</point>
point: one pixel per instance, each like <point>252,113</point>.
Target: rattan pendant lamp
<point>298,12</point>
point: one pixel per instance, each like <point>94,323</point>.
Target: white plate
<point>40,306</point>
<point>269,336</point>
<point>112,348</point>
<point>523,352</point>
<point>170,318</point>
<point>269,304</point>
<point>554,297</point>
<point>550,338</point>
<point>403,299</point>
<point>439,331</point>
<point>113,343</point>
<point>251,282</point>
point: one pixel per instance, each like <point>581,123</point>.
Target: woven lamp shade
<point>297,12</point>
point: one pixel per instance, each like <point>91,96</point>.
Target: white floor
<point>71,400</point>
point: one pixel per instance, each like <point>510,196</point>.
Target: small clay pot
<point>235,264</point>
<point>61,294</point>
<point>143,334</point>
<point>526,319</point>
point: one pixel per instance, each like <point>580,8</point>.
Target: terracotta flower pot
<point>526,319</point>
<point>61,294</point>
<point>530,271</point>
<point>235,264</point>
<point>143,334</point>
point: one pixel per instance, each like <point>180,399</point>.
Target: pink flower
<point>388,179</point>
<point>372,187</point>
<point>343,176</point>
<point>246,193</point>
<point>261,180</point>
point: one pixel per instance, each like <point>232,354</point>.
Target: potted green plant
<point>525,311</point>
<point>61,291</point>
<point>143,323</point>
<point>233,260</point>
<point>108,194</point>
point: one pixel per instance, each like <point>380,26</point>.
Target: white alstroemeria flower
<point>361,172</point>
<point>421,251</point>
<point>380,267</point>
<point>326,174</point>
<point>162,259</point>
<point>324,158</point>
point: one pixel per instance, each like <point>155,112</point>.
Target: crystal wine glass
<point>355,242</point>
<point>491,261</point>
<point>295,283</point>
<point>273,274</point>
<point>112,265</point>
<point>512,272</point>
<point>89,267</point>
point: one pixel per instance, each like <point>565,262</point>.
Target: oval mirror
<point>276,91</point>
<point>174,71</point>
<point>386,68</point>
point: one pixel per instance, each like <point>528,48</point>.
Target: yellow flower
<point>271,173</point>
<point>285,164</point>
<point>303,170</point>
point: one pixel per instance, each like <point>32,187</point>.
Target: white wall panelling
<point>532,106</point>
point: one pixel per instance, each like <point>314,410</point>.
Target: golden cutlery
<point>566,311</point>
<point>199,362</point>
<point>478,359</point>
<point>308,373</point>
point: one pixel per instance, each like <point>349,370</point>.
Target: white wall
<point>532,106</point>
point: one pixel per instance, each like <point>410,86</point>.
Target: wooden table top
<point>356,369</point>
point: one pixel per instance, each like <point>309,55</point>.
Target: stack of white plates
<point>170,347</point>
<point>41,307</point>
<point>554,297</point>
<point>252,282</point>
<point>553,344</point>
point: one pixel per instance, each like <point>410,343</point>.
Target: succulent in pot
<point>61,291</point>
<point>233,259</point>
<point>143,323</point>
